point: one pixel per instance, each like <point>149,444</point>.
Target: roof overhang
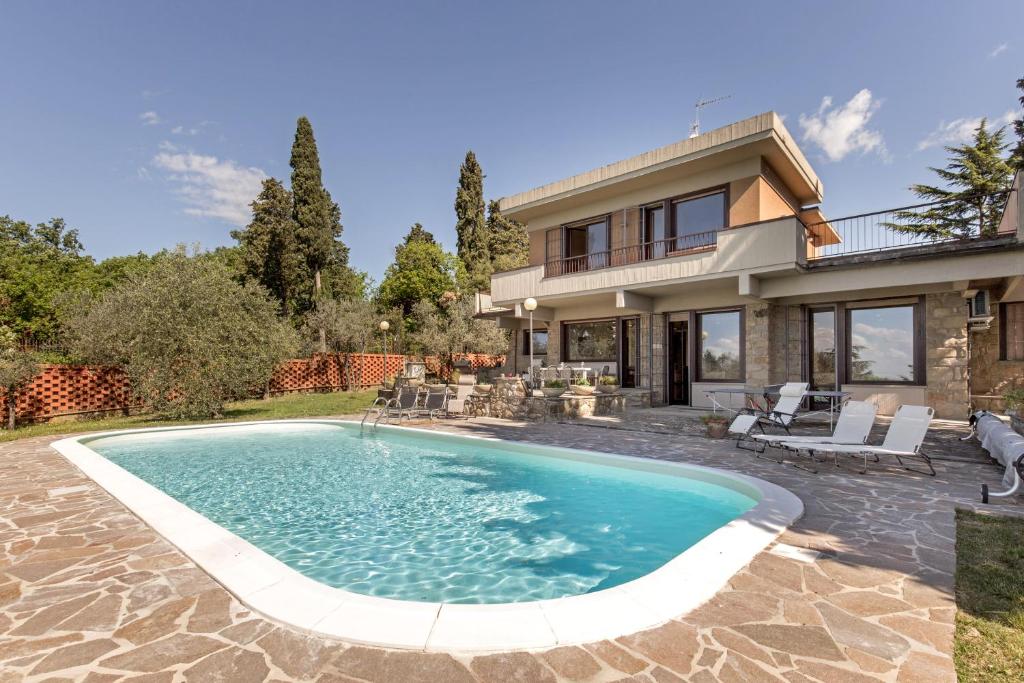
<point>762,135</point>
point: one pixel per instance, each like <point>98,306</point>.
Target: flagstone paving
<point>89,593</point>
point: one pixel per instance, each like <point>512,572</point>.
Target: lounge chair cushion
<point>743,423</point>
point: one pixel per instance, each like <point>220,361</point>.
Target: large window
<point>593,340</point>
<point>882,344</point>
<point>720,346</point>
<point>1011,328</point>
<point>693,220</point>
<point>539,342</point>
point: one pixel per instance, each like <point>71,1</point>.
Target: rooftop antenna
<point>700,104</point>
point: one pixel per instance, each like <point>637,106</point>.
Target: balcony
<point>633,253</point>
<point>775,245</point>
<point>891,233</point>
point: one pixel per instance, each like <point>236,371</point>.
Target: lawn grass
<point>278,408</point>
<point>989,645</point>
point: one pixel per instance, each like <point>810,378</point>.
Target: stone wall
<point>946,355</point>
<point>765,332</point>
<point>991,377</point>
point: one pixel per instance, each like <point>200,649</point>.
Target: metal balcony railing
<point>632,253</point>
<point>906,227</point>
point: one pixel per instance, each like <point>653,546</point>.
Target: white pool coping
<point>281,593</point>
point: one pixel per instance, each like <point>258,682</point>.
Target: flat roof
<point>765,130</point>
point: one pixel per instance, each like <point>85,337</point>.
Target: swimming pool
<point>424,522</point>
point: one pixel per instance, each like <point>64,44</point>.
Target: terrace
<point>860,588</point>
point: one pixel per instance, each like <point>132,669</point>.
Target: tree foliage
<point>270,253</point>
<point>1018,128</point>
<point>470,225</point>
<point>977,176</point>
<point>508,243</point>
<point>317,217</point>
<point>448,328</point>
<point>17,368</point>
<point>38,263</point>
<point>422,270</point>
<point>189,336</point>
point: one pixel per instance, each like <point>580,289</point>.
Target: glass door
<point>822,349</point>
<point>629,351</point>
<point>678,370</point>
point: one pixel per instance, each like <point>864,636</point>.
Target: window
<point>693,220</point>
<point>629,353</point>
<point>720,346</point>
<point>1011,331</point>
<point>586,245</point>
<point>540,342</point>
<point>654,231</point>
<point>593,340</point>
<point>882,345</point>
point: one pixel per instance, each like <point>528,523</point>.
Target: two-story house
<point>707,263</point>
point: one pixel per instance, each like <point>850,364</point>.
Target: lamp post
<point>531,305</point>
<point>384,327</point>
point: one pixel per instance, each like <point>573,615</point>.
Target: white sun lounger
<point>781,415</point>
<point>853,428</point>
<point>903,440</point>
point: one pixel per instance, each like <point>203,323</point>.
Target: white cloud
<point>841,130</point>
<point>961,130</point>
<point>181,130</point>
<point>212,187</point>
<point>149,118</point>
<point>168,146</point>
<point>999,49</point>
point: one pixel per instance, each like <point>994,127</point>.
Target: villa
<point>708,263</point>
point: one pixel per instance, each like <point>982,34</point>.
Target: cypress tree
<point>317,218</point>
<point>470,226</point>
<point>508,242</point>
<point>1018,128</point>
<point>269,251</point>
<point>977,177</point>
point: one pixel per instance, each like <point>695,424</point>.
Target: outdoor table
<point>578,372</point>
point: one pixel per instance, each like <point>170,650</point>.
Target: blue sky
<point>148,124</point>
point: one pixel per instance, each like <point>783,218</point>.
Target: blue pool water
<point>410,517</point>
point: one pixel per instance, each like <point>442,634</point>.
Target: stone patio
<point>860,589</point>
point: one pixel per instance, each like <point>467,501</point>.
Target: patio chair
<point>435,402</point>
<point>780,416</point>
<point>903,440</point>
<point>853,428</point>
<point>402,405</point>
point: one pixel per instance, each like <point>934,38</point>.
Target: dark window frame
<point>698,345</point>
<point>586,223</point>
<point>670,216</point>
<point>1004,347</point>
<point>564,357</point>
<point>528,341</point>
<point>918,343</point>
<point>620,336</point>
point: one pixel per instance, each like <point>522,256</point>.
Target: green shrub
<point>189,337</point>
<point>1014,399</point>
<point>608,380</point>
<point>555,383</point>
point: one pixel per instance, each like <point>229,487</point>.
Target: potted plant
<point>482,387</point>
<point>553,388</point>
<point>608,384</point>
<point>583,387</point>
<point>717,425</point>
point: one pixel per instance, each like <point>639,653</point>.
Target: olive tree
<point>349,326</point>
<point>449,328</point>
<point>17,367</point>
<point>189,336</point>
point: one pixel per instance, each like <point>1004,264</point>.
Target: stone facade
<point>946,354</point>
<point>766,348</point>
<point>991,377</point>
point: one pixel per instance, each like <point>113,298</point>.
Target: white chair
<point>853,428</point>
<point>780,416</point>
<point>903,440</point>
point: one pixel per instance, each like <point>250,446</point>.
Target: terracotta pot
<point>717,430</point>
<point>608,388</point>
<point>582,390</point>
<point>552,392</point>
